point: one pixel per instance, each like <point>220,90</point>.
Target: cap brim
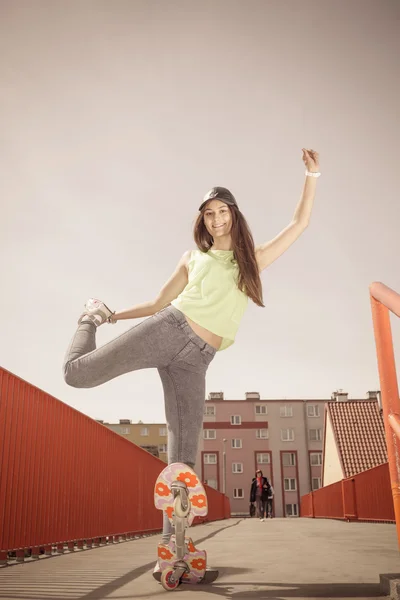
<point>229,202</point>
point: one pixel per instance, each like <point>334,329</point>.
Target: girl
<point>196,314</point>
<point>259,492</point>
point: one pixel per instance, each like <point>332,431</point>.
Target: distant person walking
<point>259,493</point>
<point>270,501</point>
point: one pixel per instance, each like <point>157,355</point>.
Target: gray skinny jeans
<point>166,342</point>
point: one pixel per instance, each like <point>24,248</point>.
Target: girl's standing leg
<point>184,383</point>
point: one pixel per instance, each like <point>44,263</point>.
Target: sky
<point>117,117</point>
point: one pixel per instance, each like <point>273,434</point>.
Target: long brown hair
<point>249,280</point>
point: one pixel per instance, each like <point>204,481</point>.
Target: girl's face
<point>217,218</point>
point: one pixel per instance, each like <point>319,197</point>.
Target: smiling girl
<point>196,314</point>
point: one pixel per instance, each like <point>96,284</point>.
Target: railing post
<point>389,394</point>
<point>20,555</point>
<point>312,504</point>
<point>349,499</point>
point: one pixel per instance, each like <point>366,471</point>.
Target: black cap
<point>219,193</point>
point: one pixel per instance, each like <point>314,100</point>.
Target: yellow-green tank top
<point>211,298</point>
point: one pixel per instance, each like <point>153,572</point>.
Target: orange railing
<point>364,497</point>
<point>383,300</point>
<point>67,481</point>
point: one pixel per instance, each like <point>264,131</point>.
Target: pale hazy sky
<point>117,117</point>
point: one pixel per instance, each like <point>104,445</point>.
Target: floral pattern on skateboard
<point>195,559</point>
<point>163,497</point>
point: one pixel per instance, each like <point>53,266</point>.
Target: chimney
<point>252,395</point>
<point>125,422</point>
<point>216,396</point>
<point>375,396</point>
<point>340,396</point>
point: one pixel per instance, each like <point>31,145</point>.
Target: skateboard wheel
<point>166,580</point>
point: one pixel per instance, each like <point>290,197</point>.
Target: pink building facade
<point>283,438</point>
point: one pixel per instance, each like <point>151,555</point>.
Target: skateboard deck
<point>195,559</point>
<point>164,499</point>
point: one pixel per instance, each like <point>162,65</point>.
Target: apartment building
<point>150,436</point>
<point>283,438</point>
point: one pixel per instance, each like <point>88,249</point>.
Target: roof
<point>359,433</point>
<point>260,400</point>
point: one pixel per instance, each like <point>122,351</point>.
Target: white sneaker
<point>261,519</point>
<point>96,312</point>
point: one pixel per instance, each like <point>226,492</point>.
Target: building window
<point>263,458</point>
<point>290,484</point>
<point>162,448</point>
<point>315,435</point>
<point>316,483</point>
<point>291,510</point>
<point>236,420</point>
<point>209,411</point>
<point>152,449</point>
<point>286,411</point>
<point>287,435</point>
<point>261,409</point>
<point>209,434</point>
<point>236,443</point>
<point>124,430</point>
<point>238,493</point>
<point>162,432</point>
<point>210,459</point>
<point>237,467</point>
<point>316,459</point>
<point>144,431</point>
<point>212,483</point>
<point>288,459</point>
<point>262,434</point>
<point>313,410</point>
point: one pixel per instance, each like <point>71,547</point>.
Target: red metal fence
<point>68,481</point>
<point>364,497</point>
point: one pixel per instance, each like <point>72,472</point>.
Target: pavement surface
<point>277,559</point>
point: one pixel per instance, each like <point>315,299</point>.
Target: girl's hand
<point>311,160</point>
<point>112,319</point>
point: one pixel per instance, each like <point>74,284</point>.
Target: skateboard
<point>210,575</point>
<point>179,492</point>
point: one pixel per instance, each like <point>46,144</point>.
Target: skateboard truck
<point>181,512</point>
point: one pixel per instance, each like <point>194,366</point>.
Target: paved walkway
<point>278,559</point>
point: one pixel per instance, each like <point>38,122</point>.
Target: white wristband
<point>309,174</point>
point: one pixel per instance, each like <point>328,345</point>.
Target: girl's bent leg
<point>146,345</point>
<point>83,342</point>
